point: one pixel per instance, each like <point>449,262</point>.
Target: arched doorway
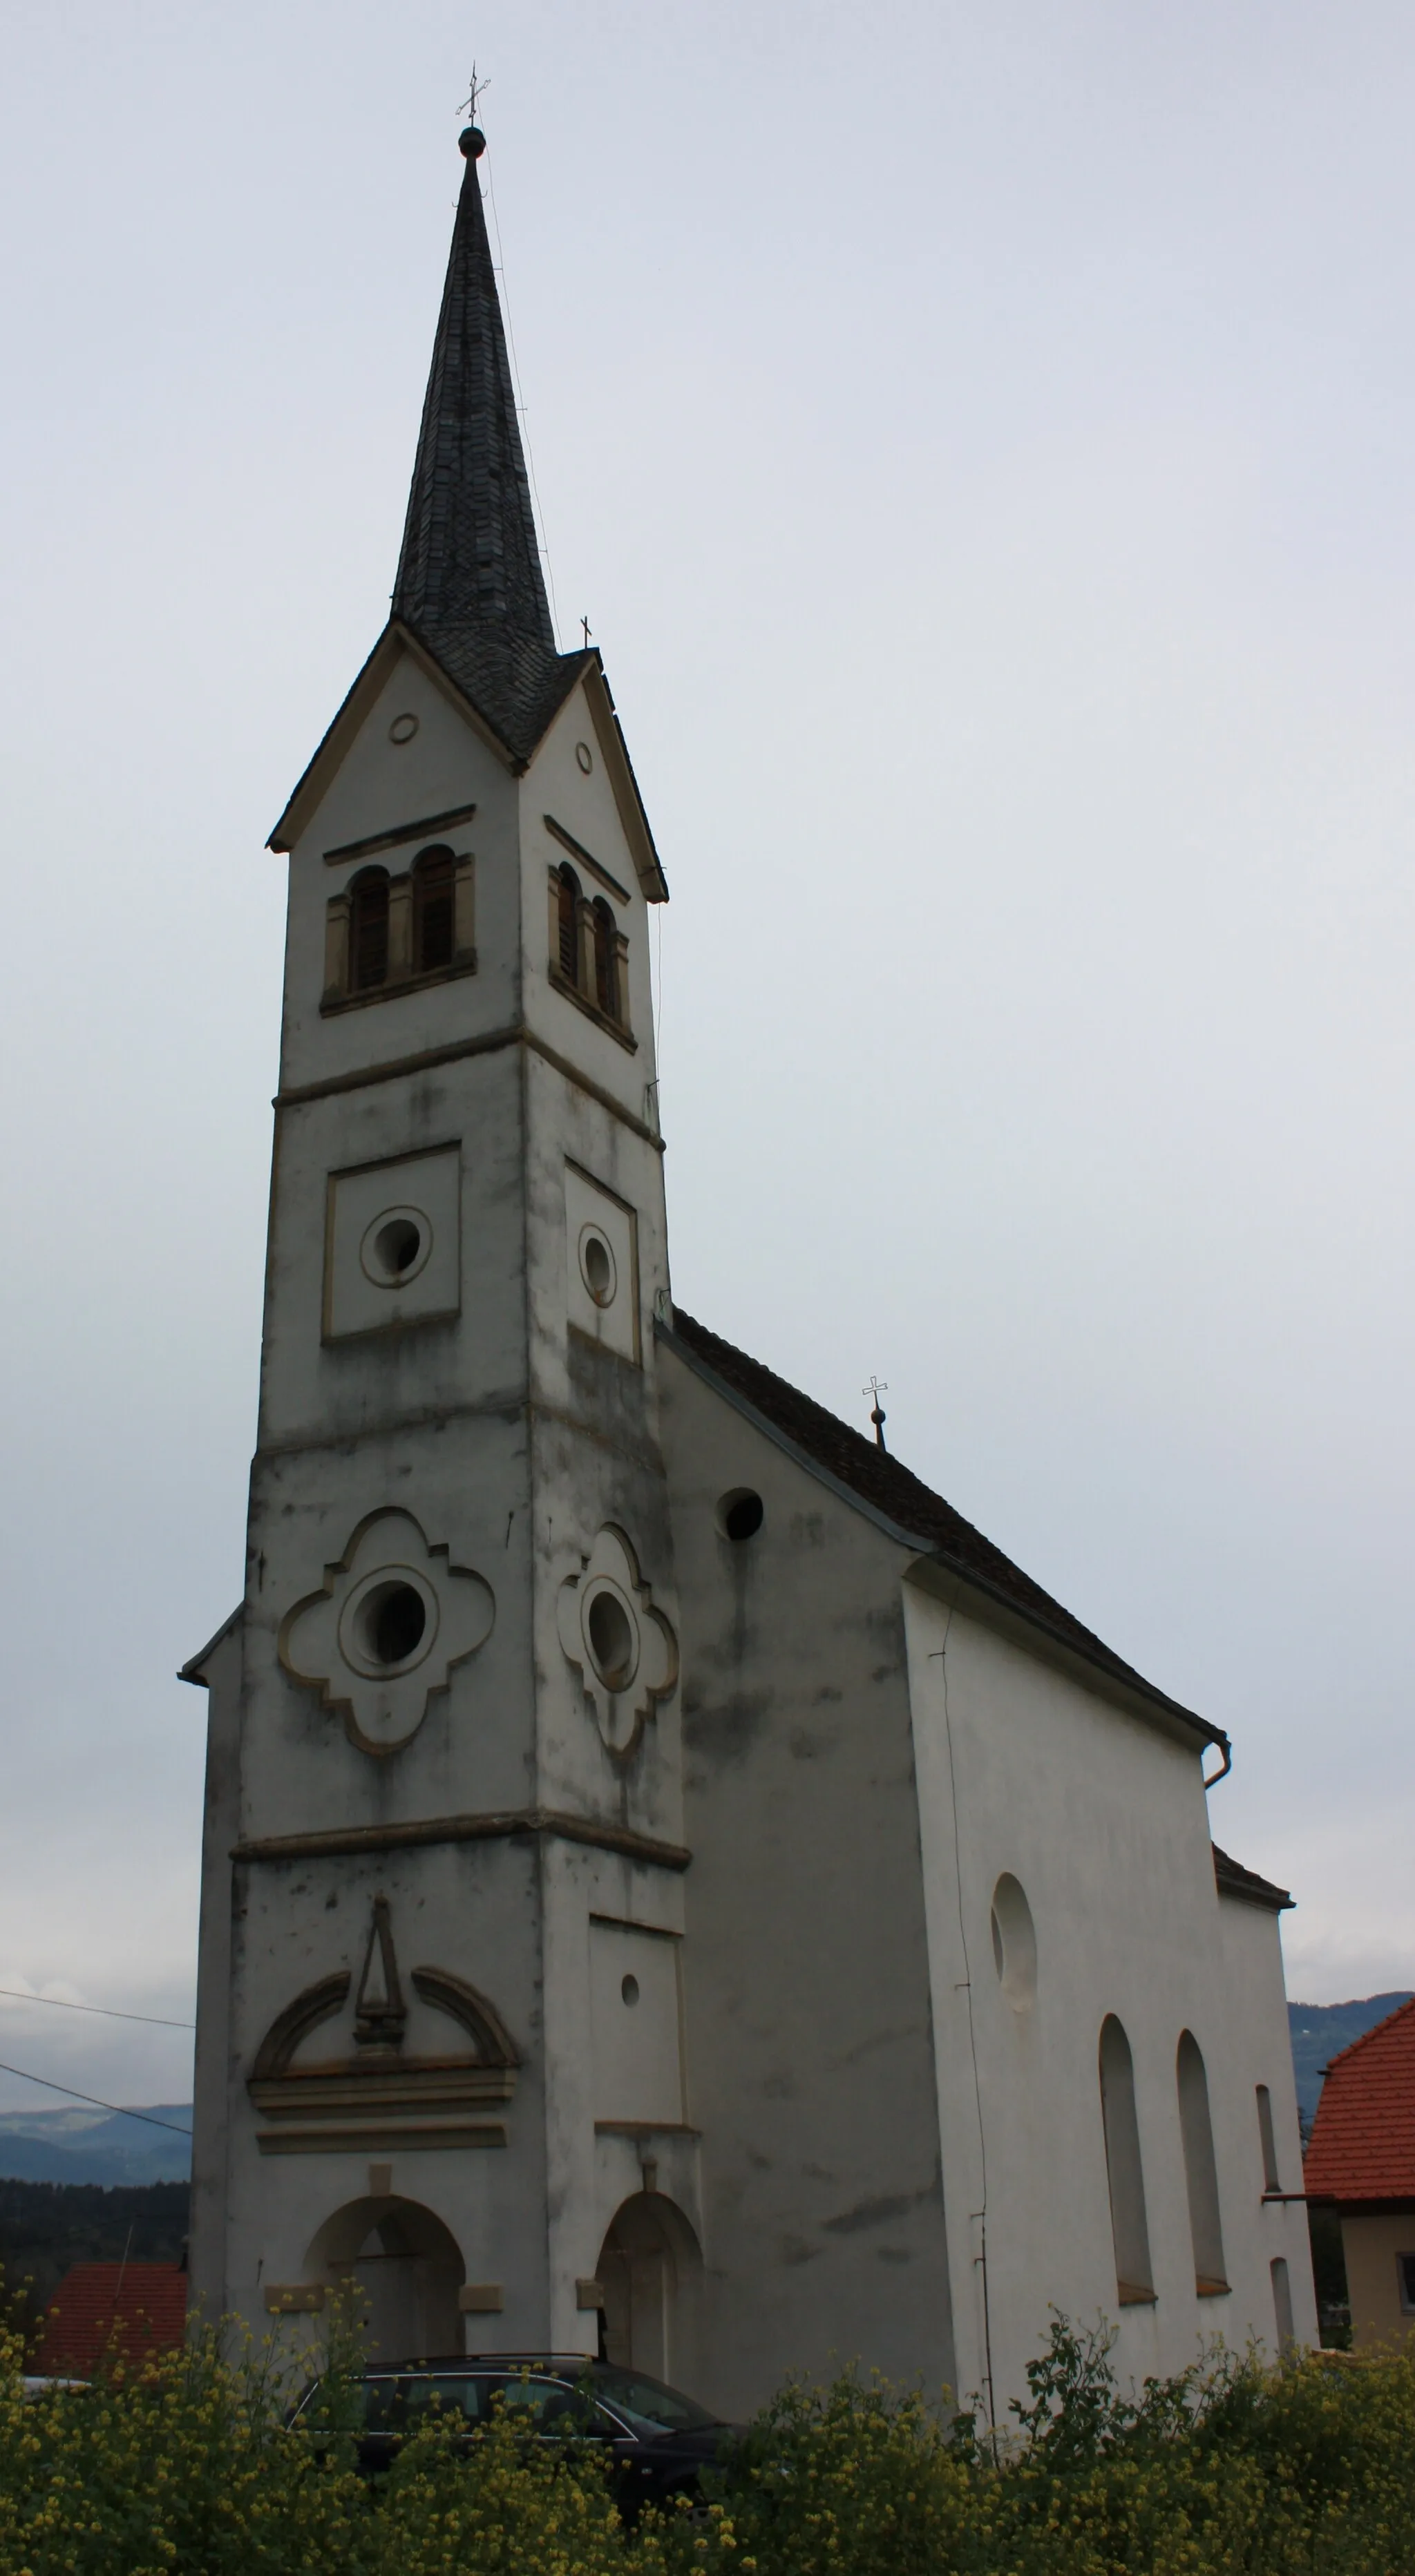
<point>650,2267</point>
<point>400,2270</point>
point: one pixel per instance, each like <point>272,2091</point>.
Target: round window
<point>611,1638</point>
<point>597,1266</point>
<point>392,1619</point>
<point>629,1989</point>
<point>584,757</point>
<point>395,1247</point>
<point>403,728</point>
<point>740,1514</point>
<point>1014,1942</point>
<point>389,1624</point>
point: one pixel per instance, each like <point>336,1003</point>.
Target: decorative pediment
<point>383,2094</point>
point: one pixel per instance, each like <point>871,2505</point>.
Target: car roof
<point>454,2361</point>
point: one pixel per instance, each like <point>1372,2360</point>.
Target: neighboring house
<point>1361,2162</point>
<point>99,2308</point>
<point>668,1879</point>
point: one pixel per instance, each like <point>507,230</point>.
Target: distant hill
<point>104,2147</point>
<point>1320,2030</point>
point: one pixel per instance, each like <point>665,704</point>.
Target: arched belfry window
<point>568,923</point>
<point>1134,2277</point>
<point>387,932</point>
<point>606,979</point>
<point>434,910</point>
<point>1200,2170</point>
<point>589,953</point>
<point>368,930</point>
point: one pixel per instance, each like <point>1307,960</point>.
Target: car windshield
<point>646,2404</point>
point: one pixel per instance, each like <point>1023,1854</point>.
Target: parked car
<point>660,2440</point>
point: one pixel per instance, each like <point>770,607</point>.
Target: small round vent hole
<point>394,1617</point>
<point>740,1515</point>
<point>629,1989</point>
<point>611,1640</point>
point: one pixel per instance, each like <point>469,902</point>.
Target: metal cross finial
<point>469,104</point>
<point>877,1387</point>
<point>586,625</point>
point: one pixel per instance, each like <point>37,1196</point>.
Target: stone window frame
<point>402,973</point>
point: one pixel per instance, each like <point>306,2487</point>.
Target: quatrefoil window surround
<point>384,1630</point>
<point>622,1647</point>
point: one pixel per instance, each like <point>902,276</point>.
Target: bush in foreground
<point>1232,2469</point>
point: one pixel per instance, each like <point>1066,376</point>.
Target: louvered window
<point>368,930</point>
<point>604,975</point>
<point>569,924</point>
<point>434,908</point>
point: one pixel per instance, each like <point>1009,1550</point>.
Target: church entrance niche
<point>398,2270</point>
<point>649,2268</point>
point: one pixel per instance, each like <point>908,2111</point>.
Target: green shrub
<point>1232,2468</point>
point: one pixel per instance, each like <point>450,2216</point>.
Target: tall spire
<point>469,578</point>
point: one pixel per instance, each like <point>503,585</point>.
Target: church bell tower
<point>441,1925</point>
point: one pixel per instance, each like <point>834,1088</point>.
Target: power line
<point>61,2003</point>
<point>118,2109</point>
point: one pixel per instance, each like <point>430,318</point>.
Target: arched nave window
<point>1200,2170</point>
<point>1267,2140</point>
<point>1134,2277</point>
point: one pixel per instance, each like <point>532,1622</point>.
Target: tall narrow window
<point>1282,2304</point>
<point>1200,2170</point>
<point>1134,2279</point>
<point>568,924</point>
<point>434,903</point>
<point>368,931</point>
<point>1267,2140</point>
<point>605,979</point>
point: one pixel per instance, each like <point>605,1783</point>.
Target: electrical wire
<point>61,2003</point>
<point>119,2109</point>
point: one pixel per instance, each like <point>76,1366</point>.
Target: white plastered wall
<point>1100,1815</point>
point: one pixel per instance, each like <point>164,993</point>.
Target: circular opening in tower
<point>395,1247</point>
<point>740,1514</point>
<point>398,1244</point>
<point>597,1266</point>
<point>629,1989</point>
<point>392,1618</point>
<point>611,1640</point>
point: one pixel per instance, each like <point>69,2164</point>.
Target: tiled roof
<point>469,576</point>
<point>1363,2139</point>
<point>921,1516</point>
<point>1233,1879</point>
<point>146,2302</point>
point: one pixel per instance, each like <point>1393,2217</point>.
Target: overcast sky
<point>981,439</point>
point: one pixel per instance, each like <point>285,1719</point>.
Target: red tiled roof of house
<point>1363,2140</point>
<point>149,2313</point>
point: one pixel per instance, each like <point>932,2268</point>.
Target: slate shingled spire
<point>469,578</point>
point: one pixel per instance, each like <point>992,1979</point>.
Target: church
<point>670,1886</point>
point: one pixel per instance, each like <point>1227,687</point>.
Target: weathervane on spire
<point>477,90</point>
<point>877,1387</point>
